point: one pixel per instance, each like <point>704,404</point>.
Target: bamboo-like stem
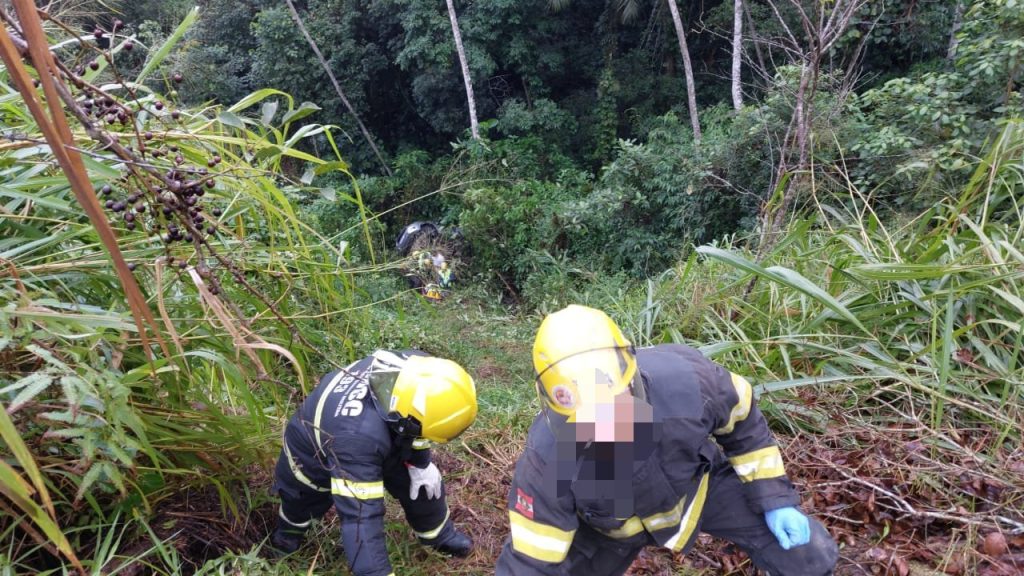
<point>58,134</point>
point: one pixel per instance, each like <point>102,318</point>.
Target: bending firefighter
<point>622,457</point>
<point>366,429</point>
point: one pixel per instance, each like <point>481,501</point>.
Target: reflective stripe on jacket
<point>653,490</point>
<point>337,441</point>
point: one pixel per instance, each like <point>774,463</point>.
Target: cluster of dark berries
<point>108,110</point>
<point>175,215</point>
<point>161,196</point>
<point>171,206</point>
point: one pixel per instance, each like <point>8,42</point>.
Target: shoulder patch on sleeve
<point>524,503</point>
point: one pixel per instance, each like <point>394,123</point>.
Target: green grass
<point>472,328</point>
<point>107,427</point>
<point>915,323</point>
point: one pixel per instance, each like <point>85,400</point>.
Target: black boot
<point>286,539</point>
<point>451,542</point>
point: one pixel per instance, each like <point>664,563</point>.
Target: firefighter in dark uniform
<point>622,457</point>
<point>365,429</point>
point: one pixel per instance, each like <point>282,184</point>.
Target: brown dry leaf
<point>994,544</point>
<point>955,567</point>
<point>900,564</point>
<point>965,356</point>
<point>1016,466</point>
<point>876,554</point>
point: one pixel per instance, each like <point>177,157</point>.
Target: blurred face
<point>611,419</point>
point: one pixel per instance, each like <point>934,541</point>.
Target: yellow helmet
<point>581,358</point>
<point>438,393</point>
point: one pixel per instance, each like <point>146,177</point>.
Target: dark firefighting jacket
<point>339,442</point>
<point>693,400</point>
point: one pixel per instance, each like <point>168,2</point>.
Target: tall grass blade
<point>161,53</point>
<point>20,493</point>
<point>785,277</point>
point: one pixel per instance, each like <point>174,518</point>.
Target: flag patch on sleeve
<point>524,503</point>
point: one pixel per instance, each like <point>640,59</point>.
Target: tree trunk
<point>818,33</point>
<point>958,19</point>
<point>756,41</point>
<point>802,114</point>
<point>691,97</point>
<point>337,86</point>
<point>474,126</point>
<point>737,53</point>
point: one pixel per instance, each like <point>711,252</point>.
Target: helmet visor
<point>383,385</point>
<point>383,376</point>
<point>589,378</point>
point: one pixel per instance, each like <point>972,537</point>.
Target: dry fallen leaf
<point>902,568</point>
<point>994,544</point>
<point>965,356</point>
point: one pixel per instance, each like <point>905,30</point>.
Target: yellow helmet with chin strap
<point>581,358</point>
<point>437,393</point>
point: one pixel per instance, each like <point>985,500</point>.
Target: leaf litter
<point>897,503</point>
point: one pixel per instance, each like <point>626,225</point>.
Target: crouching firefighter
<point>365,429</point>
<point>648,446</point>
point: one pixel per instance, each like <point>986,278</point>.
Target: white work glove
<point>429,478</point>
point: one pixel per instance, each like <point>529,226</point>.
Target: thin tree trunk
<point>958,18</point>
<point>802,114</point>
<point>337,86</point>
<point>474,126</point>
<point>756,41</point>
<point>691,97</point>
<point>737,53</point>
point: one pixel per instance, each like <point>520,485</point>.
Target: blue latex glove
<point>789,525</point>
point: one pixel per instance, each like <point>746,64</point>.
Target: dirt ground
<point>883,504</point>
<point>882,494</point>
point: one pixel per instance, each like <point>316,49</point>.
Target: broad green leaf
<point>258,96</point>
<point>29,380</point>
<point>16,445</point>
<point>304,109</point>
<point>14,486</point>
<point>90,478</point>
<point>332,167</point>
<point>36,198</point>
<point>69,432</point>
<point>785,277</point>
<point>897,271</point>
<point>1012,299</point>
<point>269,111</point>
<point>231,119</point>
<point>798,282</point>
<point>304,132</point>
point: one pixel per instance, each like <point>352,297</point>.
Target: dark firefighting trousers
<point>726,516</point>
<point>300,504</point>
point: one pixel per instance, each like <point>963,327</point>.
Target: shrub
<point>655,198</point>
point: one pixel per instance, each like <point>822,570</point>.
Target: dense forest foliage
<point>586,128</point>
<point>824,196</point>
